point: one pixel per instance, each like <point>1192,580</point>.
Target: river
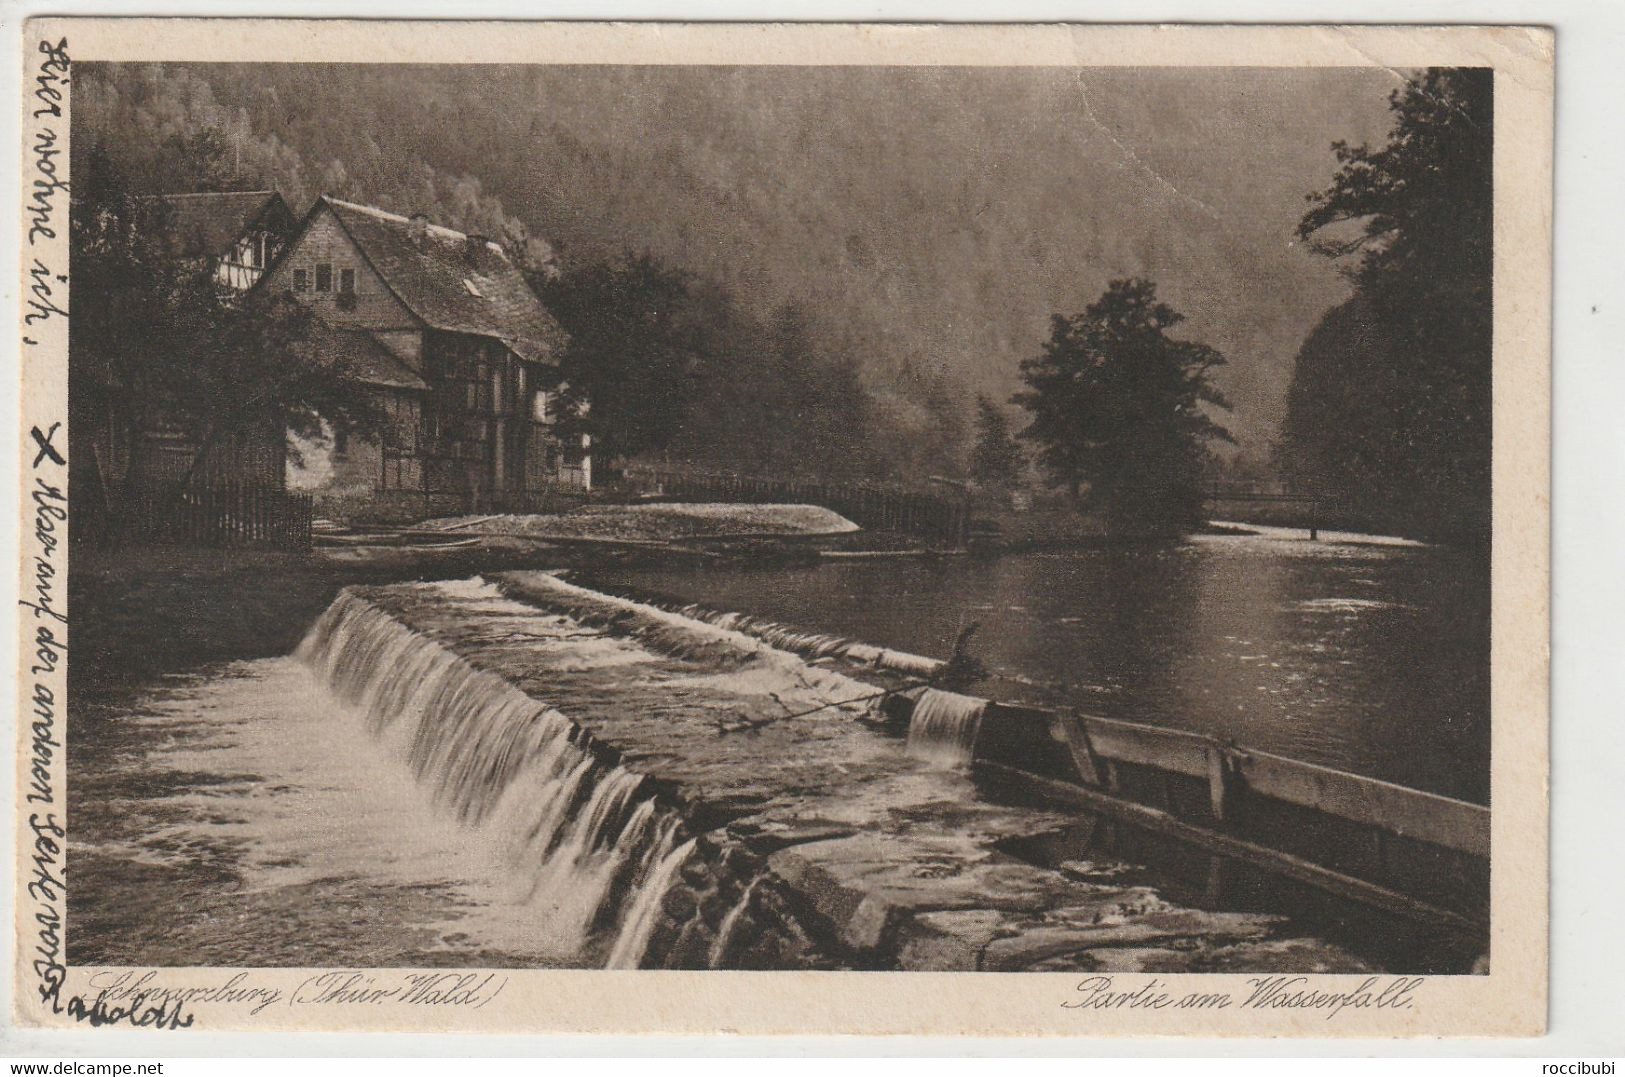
<point>243,815</point>
<point>1364,654</point>
<point>401,791</point>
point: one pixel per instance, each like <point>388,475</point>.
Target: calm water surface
<point>1370,658</point>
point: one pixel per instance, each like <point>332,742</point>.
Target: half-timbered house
<point>238,233</point>
<point>463,354</point>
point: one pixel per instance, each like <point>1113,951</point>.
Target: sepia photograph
<point>778,517</point>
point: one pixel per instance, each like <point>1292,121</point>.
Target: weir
<point>583,835</point>
<point>680,794</point>
<point>1349,832</point>
<point>943,727</point>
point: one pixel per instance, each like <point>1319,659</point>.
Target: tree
<point>798,403</point>
<point>996,459</point>
<point>635,348</point>
<point>1344,409</point>
<point>1119,405</point>
<point>1413,220</point>
<point>672,365</point>
<point>156,344</point>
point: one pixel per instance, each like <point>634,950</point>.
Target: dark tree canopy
<point>776,399</point>
<point>1389,410</point>
<point>1422,201</point>
<point>996,458</point>
<point>674,368</point>
<point>636,344</point>
<point>1120,406</point>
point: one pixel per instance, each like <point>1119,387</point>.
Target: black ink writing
<point>46,449</point>
<point>50,81</point>
<point>1264,993</point>
<point>42,304</point>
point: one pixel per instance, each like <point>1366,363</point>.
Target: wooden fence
<point>871,505</point>
<point>227,514</point>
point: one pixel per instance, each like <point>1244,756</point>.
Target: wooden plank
<point>1292,867</point>
<point>1148,746</point>
<point>1069,729</point>
<point>1220,779</point>
<point>465,524</point>
<point>1411,813</point>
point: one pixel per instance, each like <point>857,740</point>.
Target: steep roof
<point>451,283</point>
<point>364,357</point>
<point>209,224</point>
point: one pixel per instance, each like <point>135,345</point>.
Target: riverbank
<point>659,522</point>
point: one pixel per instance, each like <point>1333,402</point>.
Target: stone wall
<point>728,911</point>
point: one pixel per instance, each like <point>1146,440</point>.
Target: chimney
<point>472,246</point>
<point>418,228</point>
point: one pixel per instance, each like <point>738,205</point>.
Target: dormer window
<point>472,289</point>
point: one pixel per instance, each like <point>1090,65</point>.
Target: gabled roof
<point>363,357</point>
<point>209,224</point>
<point>451,283</point>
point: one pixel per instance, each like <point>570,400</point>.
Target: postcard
<point>694,528</point>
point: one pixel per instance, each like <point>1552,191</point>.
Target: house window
<point>301,280</point>
<point>541,406</point>
<point>324,277</point>
<point>347,281</point>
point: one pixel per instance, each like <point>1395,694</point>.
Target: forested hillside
<point>1390,409</point>
<point>923,223</point>
<point>767,381</point>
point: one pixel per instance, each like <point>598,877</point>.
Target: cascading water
<point>944,726</point>
<point>586,837</point>
<point>810,645</point>
<point>632,944</point>
<point>722,947</point>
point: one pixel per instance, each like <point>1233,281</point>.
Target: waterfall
<point>730,923</point>
<point>943,727</point>
<point>584,835</point>
<point>631,946</point>
<point>809,645</point>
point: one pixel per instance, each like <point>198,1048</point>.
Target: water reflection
<point>1369,658</point>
